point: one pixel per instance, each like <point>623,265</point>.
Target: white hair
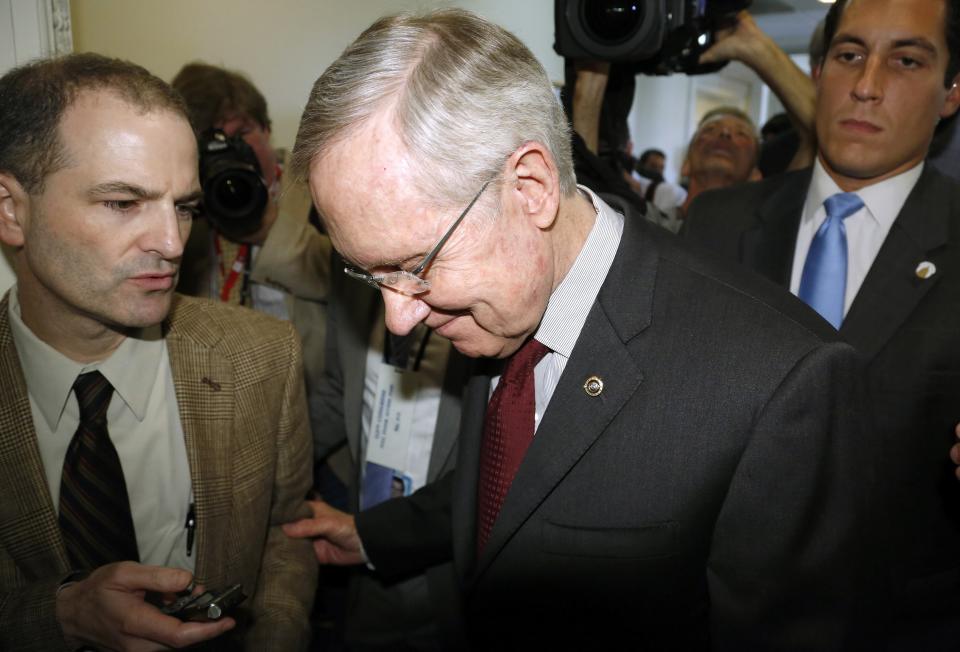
<point>465,95</point>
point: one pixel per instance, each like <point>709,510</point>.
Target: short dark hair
<point>951,33</point>
<point>34,97</point>
<point>214,94</point>
<point>647,153</point>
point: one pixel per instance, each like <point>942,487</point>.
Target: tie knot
<point>93,393</point>
<point>842,205</point>
<point>526,358</point>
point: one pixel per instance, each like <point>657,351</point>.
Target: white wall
<point>29,29</point>
<point>283,45</point>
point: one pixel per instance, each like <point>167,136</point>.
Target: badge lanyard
<point>238,267</point>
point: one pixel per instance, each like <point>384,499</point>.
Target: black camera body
<point>234,192</point>
<point>655,37</point>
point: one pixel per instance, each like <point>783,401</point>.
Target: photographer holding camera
<point>690,40</point>
<point>240,176</point>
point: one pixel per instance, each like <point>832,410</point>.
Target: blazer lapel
<point>768,247</point>
<point>31,535</point>
<point>448,416</point>
<point>892,289</point>
<point>353,340</point>
<point>574,420</point>
<point>204,382</point>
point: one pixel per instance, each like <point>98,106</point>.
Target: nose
<point>166,233</point>
<point>869,85</point>
<point>403,312</point>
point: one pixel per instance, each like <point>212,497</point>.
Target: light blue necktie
<point>823,285</point>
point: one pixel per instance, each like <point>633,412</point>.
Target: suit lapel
<point>353,339</point>
<point>31,534</point>
<point>768,247</point>
<point>448,416</point>
<point>205,388</point>
<point>574,420</point>
<point>892,290</point>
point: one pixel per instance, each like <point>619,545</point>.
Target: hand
<point>334,532</point>
<point>955,452</point>
<point>739,42</point>
<point>107,610</point>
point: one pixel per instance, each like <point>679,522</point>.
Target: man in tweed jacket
<point>98,184</point>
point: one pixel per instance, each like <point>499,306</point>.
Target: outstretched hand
<point>334,534</point>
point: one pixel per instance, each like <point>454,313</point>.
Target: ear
<point>815,72</point>
<point>755,174</point>
<point>952,102</point>
<point>538,182</point>
<point>13,210</point>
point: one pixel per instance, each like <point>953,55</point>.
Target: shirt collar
<point>131,368</point>
<point>883,199</point>
<point>571,301</point>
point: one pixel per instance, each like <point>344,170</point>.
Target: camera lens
<point>612,22</point>
<point>233,194</point>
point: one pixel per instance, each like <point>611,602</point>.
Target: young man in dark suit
<point>870,237</point>
<point>658,461</point>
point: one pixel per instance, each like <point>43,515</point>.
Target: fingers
<point>307,528</point>
<point>326,520</point>
<point>146,622</point>
<point>328,553</point>
<point>137,577</point>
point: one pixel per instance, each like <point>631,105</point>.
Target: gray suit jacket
<point>291,258</point>
<point>238,380</point>
<point>715,495</point>
<point>908,330</point>
<point>383,610</point>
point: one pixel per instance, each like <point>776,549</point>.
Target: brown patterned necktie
<point>95,515</point>
<point>507,433</point>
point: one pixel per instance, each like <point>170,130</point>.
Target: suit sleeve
<point>789,566</point>
<point>28,618</point>
<point>406,536</point>
<point>295,257</point>
<point>284,596</point>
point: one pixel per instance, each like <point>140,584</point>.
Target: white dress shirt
<point>571,301</point>
<point>866,229</point>
<point>144,425</point>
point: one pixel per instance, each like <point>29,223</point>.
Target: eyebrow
<point>193,196</point>
<point>916,42</point>
<point>124,188</point>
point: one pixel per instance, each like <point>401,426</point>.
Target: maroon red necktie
<point>507,433</point>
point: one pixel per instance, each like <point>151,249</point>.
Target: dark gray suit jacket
<point>908,330</point>
<point>383,611</point>
<point>713,496</point>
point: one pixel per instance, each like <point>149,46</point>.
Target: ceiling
<point>789,22</point>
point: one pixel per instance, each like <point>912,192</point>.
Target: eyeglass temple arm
<point>446,236</point>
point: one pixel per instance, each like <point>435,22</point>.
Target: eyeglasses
<point>410,283</point>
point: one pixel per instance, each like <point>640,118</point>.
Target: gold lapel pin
<point>925,270</point>
<point>593,386</point>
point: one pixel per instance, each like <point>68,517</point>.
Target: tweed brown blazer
<point>239,385</point>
